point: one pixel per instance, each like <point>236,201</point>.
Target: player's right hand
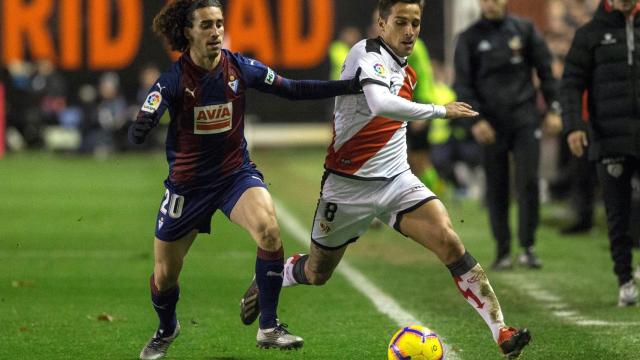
<point>577,141</point>
<point>141,127</point>
<point>457,110</point>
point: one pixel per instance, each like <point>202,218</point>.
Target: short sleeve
<point>256,74</point>
<point>374,70</point>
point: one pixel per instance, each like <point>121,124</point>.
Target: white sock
<point>287,274</point>
<point>475,288</point>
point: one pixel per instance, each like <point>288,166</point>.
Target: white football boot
<point>157,347</point>
<point>628,294</point>
<point>278,337</point>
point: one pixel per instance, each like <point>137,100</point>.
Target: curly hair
<point>384,6</point>
<point>175,16</point>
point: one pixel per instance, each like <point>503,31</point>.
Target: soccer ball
<point>415,342</point>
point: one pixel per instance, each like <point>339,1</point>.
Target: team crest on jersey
<point>212,119</point>
<point>152,103</point>
<point>379,69</point>
<point>271,76</point>
<point>233,84</point>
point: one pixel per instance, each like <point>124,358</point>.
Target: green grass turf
<point>76,242</point>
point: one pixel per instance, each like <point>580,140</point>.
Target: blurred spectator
<point>21,114</point>
<point>576,178</point>
<point>454,152</point>
<point>50,90</point>
<point>494,61</point>
<point>107,131</point>
<point>425,92</point>
<point>89,127</point>
<point>146,79</point>
<point>340,47</point>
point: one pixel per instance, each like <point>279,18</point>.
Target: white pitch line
<point>384,303</point>
<point>559,308</point>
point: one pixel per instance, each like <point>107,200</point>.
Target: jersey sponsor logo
<point>152,103</point>
<point>212,119</point>
<point>379,69</point>
<point>271,76</point>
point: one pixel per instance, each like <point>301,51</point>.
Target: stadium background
<point>74,232</point>
<point>84,38</point>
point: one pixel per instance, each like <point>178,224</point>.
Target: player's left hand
<point>140,128</point>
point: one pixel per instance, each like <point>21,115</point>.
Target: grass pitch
<point>76,253</point>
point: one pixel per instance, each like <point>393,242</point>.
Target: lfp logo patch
<point>379,69</point>
<point>152,103</point>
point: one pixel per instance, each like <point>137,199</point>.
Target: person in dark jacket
<point>604,59</point>
<point>494,60</point>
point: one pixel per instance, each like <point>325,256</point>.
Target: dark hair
<point>384,6</point>
<point>175,16</point>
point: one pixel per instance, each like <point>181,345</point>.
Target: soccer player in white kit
<point>367,175</point>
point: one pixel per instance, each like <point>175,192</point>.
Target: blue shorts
<point>180,213</point>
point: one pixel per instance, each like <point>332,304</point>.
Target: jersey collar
<point>200,70</point>
<point>401,61</point>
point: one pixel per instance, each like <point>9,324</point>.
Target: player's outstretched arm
<point>383,103</point>
<point>457,110</point>
<point>315,89</point>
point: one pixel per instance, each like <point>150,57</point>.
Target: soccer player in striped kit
<point>209,165</point>
<point>367,175</point>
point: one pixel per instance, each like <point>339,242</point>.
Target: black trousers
<point>524,145</point>
<point>615,176</point>
<point>583,188</point>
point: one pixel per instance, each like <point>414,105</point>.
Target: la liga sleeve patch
<point>152,103</point>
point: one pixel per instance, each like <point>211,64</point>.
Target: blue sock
<point>165,305</point>
<point>269,267</point>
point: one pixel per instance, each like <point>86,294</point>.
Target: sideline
<point>556,306</point>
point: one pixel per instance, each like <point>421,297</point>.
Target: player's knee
<point>450,247</point>
<point>269,236</point>
<point>165,279</point>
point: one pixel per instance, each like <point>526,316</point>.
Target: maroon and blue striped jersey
<point>205,142</point>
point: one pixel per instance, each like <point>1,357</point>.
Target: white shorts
<point>347,206</point>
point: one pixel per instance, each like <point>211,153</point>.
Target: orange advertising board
<point>108,34</point>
